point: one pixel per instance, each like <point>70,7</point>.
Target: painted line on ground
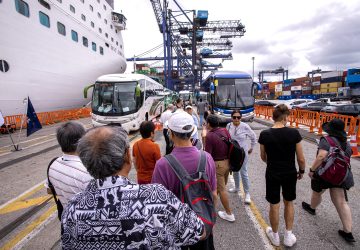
<point>23,195</point>
<point>256,218</point>
<point>38,222</point>
<point>22,204</point>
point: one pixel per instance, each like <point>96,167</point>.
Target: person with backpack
<point>335,144</point>
<point>241,132</point>
<point>278,147</point>
<point>66,175</point>
<point>219,150</point>
<point>187,166</point>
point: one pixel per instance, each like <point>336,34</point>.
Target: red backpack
<point>336,166</point>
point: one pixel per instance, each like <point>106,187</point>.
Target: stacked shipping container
<point>331,81</point>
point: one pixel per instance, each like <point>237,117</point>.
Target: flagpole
<point>17,148</point>
<point>7,129</point>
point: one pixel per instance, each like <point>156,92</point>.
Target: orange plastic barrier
<point>47,118</point>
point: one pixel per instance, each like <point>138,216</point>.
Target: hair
<point>182,136</point>
<point>280,112</point>
<point>213,121</point>
<point>146,128</point>
<point>178,100</point>
<point>236,111</point>
<point>200,99</point>
<point>68,136</point>
<point>103,150</point>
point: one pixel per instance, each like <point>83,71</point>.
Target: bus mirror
<point>86,90</point>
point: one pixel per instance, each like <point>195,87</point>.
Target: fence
<point>313,120</point>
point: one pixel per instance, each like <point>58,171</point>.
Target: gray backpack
<point>195,190</point>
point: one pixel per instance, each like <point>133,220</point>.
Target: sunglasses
<point>236,117</point>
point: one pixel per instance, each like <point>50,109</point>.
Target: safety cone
<point>354,147</point>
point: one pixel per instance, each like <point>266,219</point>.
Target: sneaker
<point>233,190</point>
<point>307,208</point>
<point>289,239</point>
<point>274,238</point>
<point>229,217</point>
<point>247,199</point>
<point>347,236</point>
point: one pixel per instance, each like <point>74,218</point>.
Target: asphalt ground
<point>29,220</point>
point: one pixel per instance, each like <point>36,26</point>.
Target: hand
<point>311,175</point>
<point>250,151</point>
<point>299,176</point>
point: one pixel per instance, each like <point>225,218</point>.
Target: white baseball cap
<point>182,123</point>
<point>188,107</point>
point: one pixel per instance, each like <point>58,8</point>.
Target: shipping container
<point>332,90</point>
<point>305,88</point>
<point>286,88</point>
<point>316,87</point>
<point>331,74</point>
<point>289,81</point>
<point>295,88</point>
<point>286,93</point>
<point>306,92</point>
<point>272,85</point>
<point>301,79</point>
<point>278,87</point>
<point>316,83</point>
<point>316,92</point>
<point>332,79</point>
<point>331,85</point>
<point>323,90</point>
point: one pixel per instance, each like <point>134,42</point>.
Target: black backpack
<point>236,152</point>
<point>195,190</point>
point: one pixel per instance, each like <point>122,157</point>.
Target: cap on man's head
<point>188,107</point>
<point>181,123</point>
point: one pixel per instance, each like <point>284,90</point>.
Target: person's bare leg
<point>338,198</point>
<point>224,197</point>
<point>316,199</point>
<point>289,214</point>
<point>274,217</point>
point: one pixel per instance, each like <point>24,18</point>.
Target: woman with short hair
<point>278,147</point>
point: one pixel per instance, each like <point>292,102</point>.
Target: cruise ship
<point>50,50</point>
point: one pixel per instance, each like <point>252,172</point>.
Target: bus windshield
<point>234,93</point>
<point>114,98</point>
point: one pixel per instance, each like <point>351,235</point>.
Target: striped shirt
<point>69,177</point>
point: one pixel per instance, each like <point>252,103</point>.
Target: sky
<point>299,36</point>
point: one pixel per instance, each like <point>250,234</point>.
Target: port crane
<point>184,30</point>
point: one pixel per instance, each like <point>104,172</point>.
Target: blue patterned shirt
<point>115,213</point>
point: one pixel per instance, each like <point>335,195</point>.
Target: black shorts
<point>319,185</point>
<point>276,182</point>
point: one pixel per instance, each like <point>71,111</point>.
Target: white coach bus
<point>126,99</point>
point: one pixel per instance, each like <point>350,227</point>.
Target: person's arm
<point>157,153</point>
<point>300,160</point>
<point>134,157</point>
<point>208,143</point>
<point>318,161</point>
<point>252,136</point>
<point>263,153</point>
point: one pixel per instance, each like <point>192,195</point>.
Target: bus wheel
<point>146,117</point>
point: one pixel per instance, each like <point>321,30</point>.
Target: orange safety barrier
<point>348,120</point>
<point>307,118</point>
<point>47,118</point>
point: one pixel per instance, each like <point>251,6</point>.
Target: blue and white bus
<point>232,90</point>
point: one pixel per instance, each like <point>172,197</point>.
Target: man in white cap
<point>163,119</point>
<point>181,127</point>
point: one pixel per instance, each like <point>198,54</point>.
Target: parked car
<point>293,103</point>
<point>312,106</point>
<point>343,109</point>
<point>264,103</point>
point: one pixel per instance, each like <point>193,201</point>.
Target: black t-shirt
<point>280,147</point>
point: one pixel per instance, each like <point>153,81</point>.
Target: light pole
<point>253,59</point>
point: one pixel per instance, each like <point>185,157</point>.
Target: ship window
<point>101,50</point>
<point>117,43</point>
<point>72,8</point>
<point>45,4</point>
<point>106,35</point>
<point>111,27</point>
<point>104,7</point>
<point>107,45</point>
<point>44,19</point>
<point>91,8</point>
<point>74,36</point>
<point>22,7</point>
<point>83,17</point>
<point>105,21</point>
<point>112,39</point>
<point>4,66</point>
<point>85,42</point>
<point>92,24</point>
<point>93,45</point>
<point>61,28</point>
<point>100,30</point>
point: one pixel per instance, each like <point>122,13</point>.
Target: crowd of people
<point>104,209</point>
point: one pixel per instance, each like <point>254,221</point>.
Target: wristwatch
<point>301,171</point>
<point>312,171</point>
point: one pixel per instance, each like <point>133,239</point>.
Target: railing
<point>313,120</point>
<point>47,118</point>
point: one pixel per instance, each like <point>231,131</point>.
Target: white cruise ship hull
<point>48,67</point>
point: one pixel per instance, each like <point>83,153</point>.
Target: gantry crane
<point>280,70</point>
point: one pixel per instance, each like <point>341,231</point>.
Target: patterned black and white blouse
<point>117,214</point>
